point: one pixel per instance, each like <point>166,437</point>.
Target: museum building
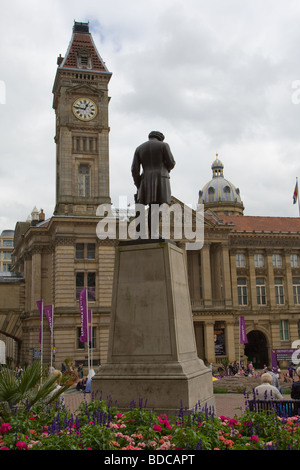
<point>248,266</point>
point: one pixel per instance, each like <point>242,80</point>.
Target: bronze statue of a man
<point>156,160</point>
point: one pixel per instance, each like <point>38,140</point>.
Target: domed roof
<point>7,233</point>
<point>218,189</point>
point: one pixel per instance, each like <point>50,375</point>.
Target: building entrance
<point>257,349</point>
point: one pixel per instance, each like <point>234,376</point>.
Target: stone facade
<point>248,266</point>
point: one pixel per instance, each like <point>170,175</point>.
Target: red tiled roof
<point>82,41</point>
<point>262,224</point>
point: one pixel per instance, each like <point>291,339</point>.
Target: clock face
<point>84,109</point>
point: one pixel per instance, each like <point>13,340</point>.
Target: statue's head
<point>157,135</point>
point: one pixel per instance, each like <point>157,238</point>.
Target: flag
<point>243,335</point>
<point>83,315</point>
<point>48,309</point>
<point>40,309</point>
<point>295,195</point>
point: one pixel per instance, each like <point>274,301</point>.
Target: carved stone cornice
<point>65,241</point>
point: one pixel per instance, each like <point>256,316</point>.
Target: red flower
<point>156,427</point>
<point>21,445</point>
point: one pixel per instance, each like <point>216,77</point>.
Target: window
<point>91,251</point>
<point>6,267</point>
<point>277,261</point>
<point>7,255</point>
<point>260,291</point>
<point>296,290</point>
<point>80,345</point>
<point>242,291</point>
<point>85,251</point>
<point>91,285</point>
<point>279,291</point>
<point>240,260</point>
<point>284,330</point>
<point>79,250</point>
<point>258,260</point>
<point>86,280</point>
<point>8,243</point>
<point>84,181</point>
<point>294,261</point>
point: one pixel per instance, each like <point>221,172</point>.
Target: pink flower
<point>156,427</point>
<point>5,427</point>
<point>4,448</point>
<point>254,438</point>
<point>119,415</point>
<point>232,422</point>
<point>224,418</point>
<point>21,445</point>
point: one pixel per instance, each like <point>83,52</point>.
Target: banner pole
<point>42,339</point>
<point>52,321</point>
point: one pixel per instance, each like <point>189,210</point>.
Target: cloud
<point>215,77</point>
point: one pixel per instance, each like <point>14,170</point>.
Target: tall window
<point>294,261</point>
<point>258,260</point>
<point>84,181</point>
<point>260,291</point>
<point>81,345</point>
<point>279,291</point>
<point>242,291</point>
<point>86,280</point>
<point>296,290</point>
<point>277,261</point>
<point>284,330</point>
<point>240,260</point>
<point>84,251</point>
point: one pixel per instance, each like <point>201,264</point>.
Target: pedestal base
<point>152,355</point>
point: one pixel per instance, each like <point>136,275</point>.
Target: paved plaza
<point>227,404</point>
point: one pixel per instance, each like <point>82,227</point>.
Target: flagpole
<point>42,335</point>
<point>298,196</point>
<point>88,329</point>
<point>52,321</point>
<point>239,343</point>
<point>91,339</point>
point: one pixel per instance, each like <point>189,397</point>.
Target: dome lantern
<point>219,194</point>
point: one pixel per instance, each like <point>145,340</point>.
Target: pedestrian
<point>266,391</point>
<point>295,391</point>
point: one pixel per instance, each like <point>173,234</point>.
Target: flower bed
<point>97,426</point>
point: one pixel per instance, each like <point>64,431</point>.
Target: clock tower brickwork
<point>81,104</point>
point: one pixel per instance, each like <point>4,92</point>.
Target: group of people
<point>238,369</point>
<point>270,386</point>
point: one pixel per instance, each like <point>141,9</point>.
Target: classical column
<point>206,275</point>
<point>235,301</point>
<point>289,280</point>
<point>270,286</point>
<point>36,276</point>
<point>209,342</point>
<point>230,342</point>
<point>252,278</point>
<point>226,276</point>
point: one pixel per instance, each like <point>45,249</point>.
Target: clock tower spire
<point>82,132</point>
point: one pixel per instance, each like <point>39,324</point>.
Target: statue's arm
<point>135,170</point>
<point>168,158</point>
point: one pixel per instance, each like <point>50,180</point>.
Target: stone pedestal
<point>152,353</point>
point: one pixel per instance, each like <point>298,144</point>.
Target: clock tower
<point>81,104</point>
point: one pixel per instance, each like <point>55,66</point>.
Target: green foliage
<point>33,386</point>
<point>99,426</point>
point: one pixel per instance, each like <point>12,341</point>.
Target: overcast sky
<point>218,76</point>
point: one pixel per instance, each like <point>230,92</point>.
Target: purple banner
<point>83,315</point>
<point>243,335</point>
<point>48,309</point>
